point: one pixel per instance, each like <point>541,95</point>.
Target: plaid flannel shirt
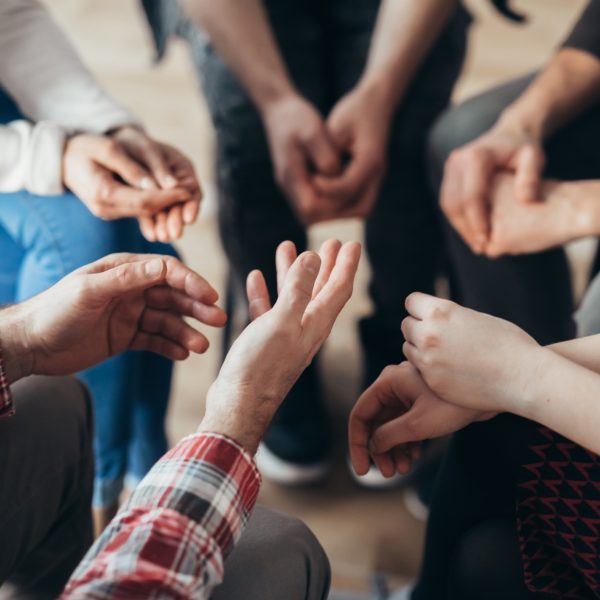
<point>171,538</point>
<point>6,402</point>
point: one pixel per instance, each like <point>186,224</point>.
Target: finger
<point>162,233</point>
<point>402,459</point>
<point>258,294</point>
<point>451,200</point>
<point>159,345</point>
<point>191,208</point>
<point>285,256</point>
<point>127,278</point>
<point>385,464</point>
<point>147,228</point>
<point>530,164</point>
<point>130,202</point>
<point>421,306</point>
<point>412,354</point>
<point>172,327</point>
<point>297,289</point>
<point>329,252</point>
<point>324,309</point>
<point>111,155</point>
<point>152,155</point>
<point>347,184</point>
<point>323,153</point>
<point>175,222</point>
<point>397,431</point>
<point>166,298</point>
<point>410,328</point>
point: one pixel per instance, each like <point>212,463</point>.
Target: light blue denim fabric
<point>42,239</point>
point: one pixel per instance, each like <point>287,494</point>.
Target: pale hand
<point>272,352</point>
<point>121,302</point>
<point>468,174</point>
<point>469,358</point>
<point>396,411</point>
<point>524,228</point>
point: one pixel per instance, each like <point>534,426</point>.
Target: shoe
<point>297,447</point>
<point>414,505</point>
<point>288,473</point>
<point>374,480</point>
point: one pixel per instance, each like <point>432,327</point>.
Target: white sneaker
<point>275,469</point>
<point>414,505</point>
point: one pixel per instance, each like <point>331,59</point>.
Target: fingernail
<point>153,268</point>
<point>147,184</point>
<point>311,263</point>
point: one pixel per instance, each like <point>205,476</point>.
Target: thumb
<point>127,278</point>
<point>529,167</point>
<point>393,433</point>
<point>323,153</point>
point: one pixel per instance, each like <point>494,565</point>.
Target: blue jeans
<point>42,239</point>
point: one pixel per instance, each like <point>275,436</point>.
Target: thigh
<point>46,476</point>
<point>477,482</point>
<point>277,557</point>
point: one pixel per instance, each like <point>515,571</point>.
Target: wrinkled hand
<point>121,302</point>
<point>301,146</point>
<point>272,352</point>
<point>523,228</point>
<point>468,173</point>
<point>396,411</point>
<point>111,183</point>
<point>169,169</point>
<point>468,358</point>
<point>360,132</point>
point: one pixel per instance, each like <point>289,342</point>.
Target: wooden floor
<point>360,531</point>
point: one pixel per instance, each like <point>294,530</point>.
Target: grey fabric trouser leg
<point>278,558</point>
<point>46,476</point>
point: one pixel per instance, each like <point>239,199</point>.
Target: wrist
<point>274,96</point>
<point>240,415</point>
<point>16,351</point>
<point>581,199</point>
<point>381,93</point>
<point>517,121</point>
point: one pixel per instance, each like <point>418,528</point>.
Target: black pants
<point>46,476</point>
<point>325,45</point>
<point>471,548</point>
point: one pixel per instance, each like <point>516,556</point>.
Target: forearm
<point>242,35</point>
<point>404,34</point>
<point>568,85</point>
<point>16,351</point>
<point>563,396</point>
<point>582,351</point>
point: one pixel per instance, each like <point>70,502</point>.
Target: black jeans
<point>325,45</point>
<point>46,476</point>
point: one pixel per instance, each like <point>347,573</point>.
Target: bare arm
<point>242,35</point>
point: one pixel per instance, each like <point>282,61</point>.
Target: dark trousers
<point>472,548</point>
<point>46,476</point>
<point>325,45</point>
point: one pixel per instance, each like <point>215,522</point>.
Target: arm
<point>360,122</point>
<point>181,522</point>
<point>568,85</point>
<point>298,140</point>
<point>42,72</point>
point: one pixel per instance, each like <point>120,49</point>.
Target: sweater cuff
<point>43,175</point>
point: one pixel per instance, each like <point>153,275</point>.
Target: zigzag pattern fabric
<point>558,515</point>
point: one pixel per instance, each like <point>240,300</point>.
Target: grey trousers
<point>46,476</point>
<point>278,558</point>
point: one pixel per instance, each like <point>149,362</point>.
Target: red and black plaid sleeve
<point>171,538</point>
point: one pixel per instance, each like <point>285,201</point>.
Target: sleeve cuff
<point>44,161</point>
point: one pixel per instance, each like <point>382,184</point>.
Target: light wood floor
<point>359,530</point>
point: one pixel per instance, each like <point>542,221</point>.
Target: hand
<point>271,353</point>
<point>468,358</point>
<point>92,167</point>
<point>360,130</point>
<point>169,169</point>
<point>300,146</point>
<point>121,302</point>
<point>519,228</point>
<point>468,174</point>
<point>396,411</point>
